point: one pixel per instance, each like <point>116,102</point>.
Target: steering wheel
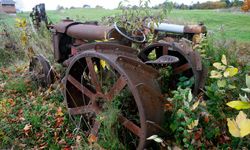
<point>140,37</point>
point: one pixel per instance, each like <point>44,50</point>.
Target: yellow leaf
<point>59,112</point>
<point>96,68</point>
<point>231,72</point>
<point>233,128</point>
<point>193,124</point>
<point>239,127</point>
<point>219,66</point>
<point>239,105</point>
<point>224,60</point>
<point>215,74</point>
<point>196,104</point>
<point>103,63</point>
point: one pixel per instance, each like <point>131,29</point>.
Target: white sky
<point>27,5</point>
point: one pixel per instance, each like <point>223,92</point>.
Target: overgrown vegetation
<point>32,117</point>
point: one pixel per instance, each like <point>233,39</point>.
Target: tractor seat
<point>165,59</point>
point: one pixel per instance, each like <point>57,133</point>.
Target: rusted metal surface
<point>195,29</point>
<point>41,71</point>
<point>165,59</point>
<point>81,75</point>
<point>98,73</point>
<point>189,64</point>
<point>84,31</point>
<point>38,15</point>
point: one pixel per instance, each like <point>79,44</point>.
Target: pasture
<point>35,117</point>
<point>234,25</point>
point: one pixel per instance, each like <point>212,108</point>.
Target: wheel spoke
<point>181,68</point>
<point>117,87</point>
<point>95,128</point>
<point>93,74</point>
<point>165,50</point>
<point>83,110</point>
<point>130,125</point>
<point>81,88</point>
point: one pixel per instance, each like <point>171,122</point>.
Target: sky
<point>27,5</point>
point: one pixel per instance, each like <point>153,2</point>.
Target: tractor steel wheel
<point>41,71</point>
<point>100,75</point>
<point>189,64</point>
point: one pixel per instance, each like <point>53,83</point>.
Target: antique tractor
<point>102,68</point>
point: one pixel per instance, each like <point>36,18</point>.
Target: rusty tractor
<point>111,70</point>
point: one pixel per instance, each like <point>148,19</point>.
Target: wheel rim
<point>91,93</point>
<point>189,64</point>
<point>41,71</point>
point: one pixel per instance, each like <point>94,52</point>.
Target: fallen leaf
<point>27,129</point>
<point>193,124</point>
<point>62,142</point>
<point>59,112</point>
<point>11,101</point>
<point>196,104</point>
<point>239,127</point>
<point>198,134</point>
<point>59,122</point>
<point>92,138</point>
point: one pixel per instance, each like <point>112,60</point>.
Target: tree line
<point>206,5</point>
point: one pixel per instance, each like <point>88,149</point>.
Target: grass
<point>21,104</point>
<point>235,25</point>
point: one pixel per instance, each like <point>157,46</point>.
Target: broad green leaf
<point>215,74</point>
<point>219,66</point>
<point>239,105</point>
<point>224,59</point>
<point>221,83</point>
<point>239,127</point>
<point>248,81</point>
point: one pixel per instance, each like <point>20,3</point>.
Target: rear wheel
<point>189,65</point>
<point>99,88</point>
<point>41,71</point>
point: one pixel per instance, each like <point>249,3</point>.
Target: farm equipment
<point>38,15</point>
<point>103,67</point>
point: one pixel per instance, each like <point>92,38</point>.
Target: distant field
<point>235,25</point>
